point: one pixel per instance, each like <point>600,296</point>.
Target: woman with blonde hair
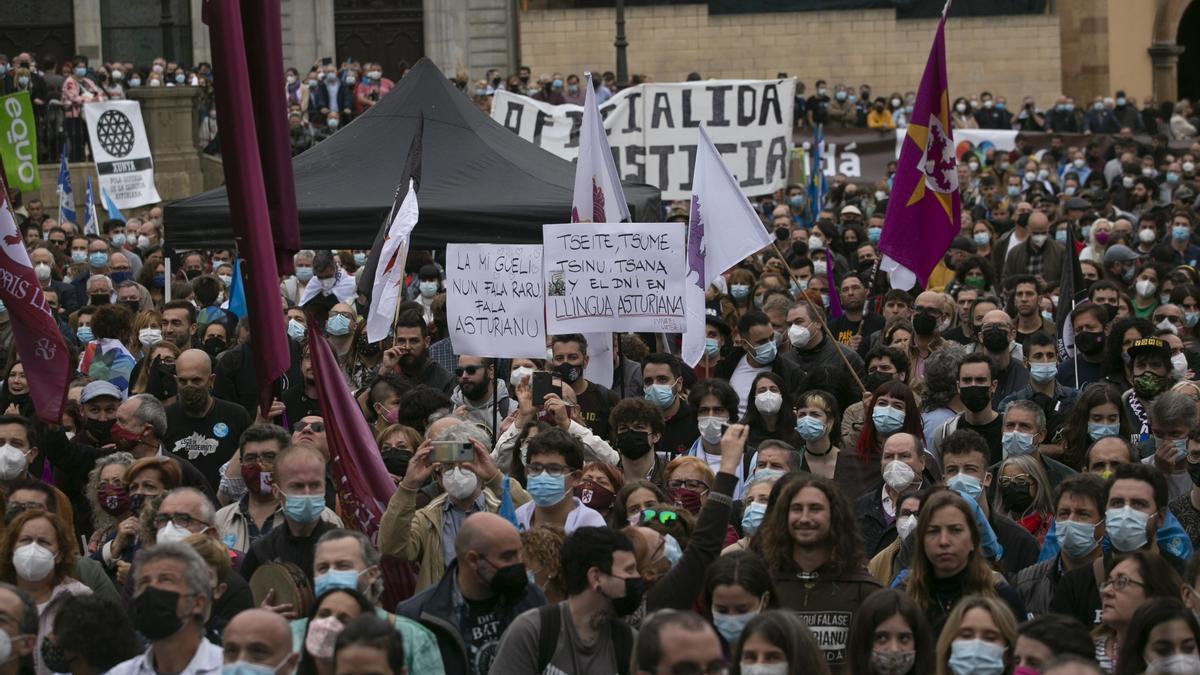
<point>147,332</point>
<point>108,495</point>
<point>1097,240</point>
<point>979,638</point>
<point>396,444</point>
<point>166,352</point>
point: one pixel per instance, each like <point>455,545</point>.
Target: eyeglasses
<point>1177,320</point>
<point>180,519</point>
<point>1120,583</point>
<point>318,427</point>
<point>1020,480</point>
<point>690,484</point>
<point>663,517</point>
<point>554,470</point>
<point>469,370</point>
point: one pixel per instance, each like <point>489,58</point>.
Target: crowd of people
<point>852,479</point>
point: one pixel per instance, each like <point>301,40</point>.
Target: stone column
<point>201,49</point>
<point>474,36</point>
<point>88,37</point>
<point>1164,59</point>
<point>169,114</point>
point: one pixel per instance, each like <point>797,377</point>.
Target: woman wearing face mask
<point>1133,581</point>
<point>147,478</point>
<point>369,644</point>
<point>1096,237</point>
<point>737,588</point>
<point>541,549</point>
<point>948,562</point>
<point>1145,290</point>
<point>975,272</point>
<point>964,115</point>
<point>893,409</point>
<point>598,486</point>
<point>145,333</point>
<point>742,288</point>
<point>754,506</point>
<point>37,556</point>
<point>634,497</point>
<point>777,642</point>
<point>397,443</point>
<point>983,234</point>
<point>77,90</point>
<point>769,415</point>
<point>889,636</point>
<point>979,638</point>
<point>716,406</point>
<point>1162,638</point>
<point>688,481</point>
<point>331,612</point>
<point>158,368</point>
<point>819,431</point>
<point>897,555</point>
<point>14,397</point>
<point>1025,494</point>
<point>108,496</point>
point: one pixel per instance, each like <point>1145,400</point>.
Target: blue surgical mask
<point>1043,372</point>
<point>1014,190</point>
<point>981,238</point>
<point>739,291</point>
<point>428,288</point>
<point>84,333</point>
<point>671,550</point>
<point>334,579</point>
<point>246,668</point>
<point>1096,431</point>
<point>967,486</point>
<point>661,395</point>
<point>79,256</point>
<point>547,490</point>
<point>1172,177</point>
<point>887,419</point>
<point>1047,315</point>
<point>711,348</point>
<point>303,509</point>
<point>118,239</point>
<point>303,274</point>
<point>874,233</point>
<point>1191,318</point>
<point>1076,539</point>
<point>810,428</point>
<point>1016,443</point>
<point>360,258</point>
<point>1060,236</point>
<point>80,71</point>
<point>338,325</point>
<point>730,626</point>
<point>1126,528</point>
<point>295,330</point>
<point>976,657</point>
<point>1180,447</point>
<point>1180,233</point>
<point>98,259</point>
<point>1086,231</point>
<point>752,517</point>
<point>765,353</point>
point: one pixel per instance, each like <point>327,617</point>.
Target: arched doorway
<point>1189,61</point>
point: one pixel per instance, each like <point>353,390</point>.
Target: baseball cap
<point>99,389</point>
<point>1119,253</point>
<point>850,208</point>
<point>1150,346</point>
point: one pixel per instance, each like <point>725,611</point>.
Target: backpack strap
<point>622,637</point>
<point>550,623</point>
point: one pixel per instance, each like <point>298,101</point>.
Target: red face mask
<point>113,499</point>
<point>258,480</point>
<point>594,495</point>
<point>685,498</point>
<point>122,437</point>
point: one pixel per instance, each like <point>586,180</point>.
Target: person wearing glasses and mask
<point>552,466</point>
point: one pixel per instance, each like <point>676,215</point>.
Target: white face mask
<point>710,428</point>
<point>1179,365</point>
<point>819,268</point>
<point>43,271</point>
<point>33,562</point>
<point>459,483</point>
<point>898,475</point>
<point>799,335</point>
<point>149,336</point>
<point>12,462</point>
<point>328,284</point>
<point>905,525</point>
<point>768,402</point>
<point>171,533</point>
<point>519,374</point>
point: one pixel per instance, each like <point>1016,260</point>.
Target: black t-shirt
<point>844,329</point>
<point>680,432</point>
<point>209,441</point>
<point>481,629</point>
<point>817,104</point>
<point>594,404</point>
<point>992,433</point>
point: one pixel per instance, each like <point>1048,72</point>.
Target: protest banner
<point>18,142</point>
<point>121,152</point>
<point>614,277</point>
<point>494,300</point>
<point>652,130</point>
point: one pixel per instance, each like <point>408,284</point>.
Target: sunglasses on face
<point>318,427</point>
<point>469,370</point>
<point>663,517</point>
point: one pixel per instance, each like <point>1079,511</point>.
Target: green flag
<point>18,141</point>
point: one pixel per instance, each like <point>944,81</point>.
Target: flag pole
<point>824,323</point>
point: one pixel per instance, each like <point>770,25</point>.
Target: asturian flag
<point>722,230</point>
<point>390,251</point>
<point>91,224</point>
<point>923,210</point>
<point>66,198</point>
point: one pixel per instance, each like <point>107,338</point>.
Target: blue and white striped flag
<point>66,198</point>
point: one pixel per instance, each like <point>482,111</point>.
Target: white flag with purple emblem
<point>598,195</point>
<point>723,229</point>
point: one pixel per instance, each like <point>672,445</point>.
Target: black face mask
<point>569,373</point>
<point>136,502</point>
<point>1194,471</point>
<point>628,603</point>
<point>924,323</point>
<point>54,658</point>
<point>396,460</point>
<point>214,345</point>
<point>1089,343</point>
<point>367,349</point>
<point>98,299</point>
<point>132,305</point>
<point>99,430</point>
<point>995,340</point>
<point>876,379</point>
<point>976,399</point>
<point>509,582</point>
<point>633,444</point>
<point>1017,499</point>
<point>154,613</point>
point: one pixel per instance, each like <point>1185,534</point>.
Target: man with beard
<point>410,355</point>
<point>201,428</point>
<point>855,323</point>
<point>1090,323</point>
<point>474,398</point>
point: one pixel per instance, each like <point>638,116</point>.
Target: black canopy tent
<point>481,183</point>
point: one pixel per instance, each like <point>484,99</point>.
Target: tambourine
<point>290,583</point>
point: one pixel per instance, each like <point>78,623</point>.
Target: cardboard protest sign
<point>614,277</point>
<point>494,300</point>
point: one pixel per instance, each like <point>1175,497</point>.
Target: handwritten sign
<point>614,277</point>
<point>494,300</point>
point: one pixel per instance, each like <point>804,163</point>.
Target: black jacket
<point>876,531</point>
<point>793,374</point>
<point>434,608</point>
<point>1020,547</point>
